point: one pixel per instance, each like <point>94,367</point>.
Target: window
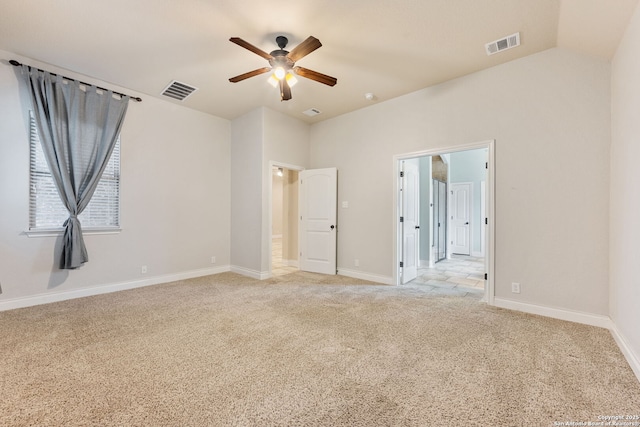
<point>46,211</point>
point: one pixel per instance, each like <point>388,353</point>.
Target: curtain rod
<point>134,98</point>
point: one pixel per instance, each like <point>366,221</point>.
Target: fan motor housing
<point>280,59</point>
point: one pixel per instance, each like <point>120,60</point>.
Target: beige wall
<point>246,192</point>
<point>550,116</point>
<point>175,190</point>
<point>624,296</point>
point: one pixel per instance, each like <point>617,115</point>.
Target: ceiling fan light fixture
<point>279,73</point>
<point>291,79</point>
<point>282,65</point>
<point>273,81</point>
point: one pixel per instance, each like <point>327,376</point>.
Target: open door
<point>410,219</point>
<point>318,189</point>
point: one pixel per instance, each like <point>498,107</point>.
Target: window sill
<point>53,232</point>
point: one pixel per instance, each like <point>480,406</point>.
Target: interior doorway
<point>472,166</point>
<point>284,219</point>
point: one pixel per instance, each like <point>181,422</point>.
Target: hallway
<point>461,275</point>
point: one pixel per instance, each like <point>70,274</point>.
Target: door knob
<point>466,223</point>
<point>333,226</point>
<point>417,227</point>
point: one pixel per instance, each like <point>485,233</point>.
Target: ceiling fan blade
<point>249,46</point>
<point>304,48</point>
<point>285,90</point>
<point>314,75</point>
<point>244,76</point>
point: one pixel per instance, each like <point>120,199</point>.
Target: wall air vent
<point>503,44</point>
<point>312,112</point>
<point>178,90</point>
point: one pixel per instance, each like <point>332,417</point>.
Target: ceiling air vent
<point>178,90</point>
<point>503,44</point>
<point>312,112</point>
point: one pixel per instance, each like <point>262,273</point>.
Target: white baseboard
<point>424,263</point>
<point>366,276</point>
<point>291,262</point>
<point>632,358</point>
<point>578,317</point>
<point>50,297</point>
<point>254,274</point>
<point>477,254</point>
<point>556,313</point>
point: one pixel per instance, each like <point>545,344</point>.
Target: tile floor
<point>461,275</point>
<point>278,268</point>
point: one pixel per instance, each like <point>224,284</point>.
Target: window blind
<point>46,210</point>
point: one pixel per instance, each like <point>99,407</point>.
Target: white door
<point>460,216</point>
<point>411,219</point>
<point>440,219</point>
<point>318,189</point>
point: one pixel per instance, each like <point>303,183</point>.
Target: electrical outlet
<point>515,288</point>
<point>143,269</point>
<point>213,260</point>
<point>356,263</point>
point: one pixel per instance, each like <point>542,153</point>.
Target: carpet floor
<point>302,350</point>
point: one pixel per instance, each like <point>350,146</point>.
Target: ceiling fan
<point>282,63</point>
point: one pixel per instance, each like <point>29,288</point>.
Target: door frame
<point>269,247</point>
<point>489,250</point>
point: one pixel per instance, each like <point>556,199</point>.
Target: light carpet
<point>302,350</point>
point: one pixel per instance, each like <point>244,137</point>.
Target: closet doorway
<point>284,219</point>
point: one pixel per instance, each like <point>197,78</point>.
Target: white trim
<point>291,262</point>
<point>386,280</point>
<point>425,263</point>
<point>556,313</point>
<point>632,358</point>
<point>50,297</point>
<point>254,274</point>
<point>55,232</point>
<point>477,254</point>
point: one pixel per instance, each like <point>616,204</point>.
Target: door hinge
<point>486,221</point>
<point>486,165</point>
<point>401,219</point>
<point>401,264</point>
<point>401,174</point>
<point>486,277</point>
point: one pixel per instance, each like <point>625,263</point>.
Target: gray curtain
<point>78,130</point>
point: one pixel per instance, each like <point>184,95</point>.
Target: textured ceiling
<point>386,47</point>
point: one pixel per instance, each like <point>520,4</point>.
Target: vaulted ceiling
<point>385,47</point>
